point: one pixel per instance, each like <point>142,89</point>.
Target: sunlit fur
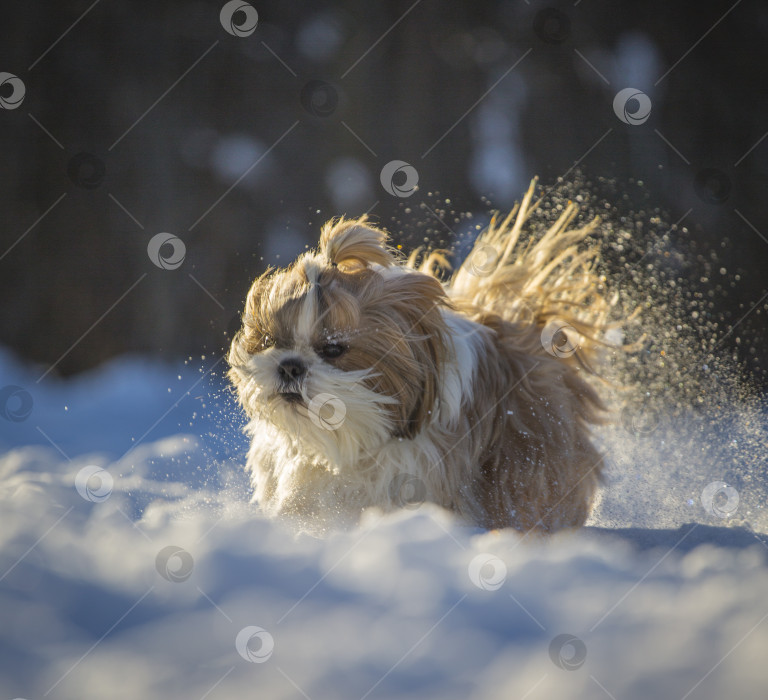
<point>445,392</point>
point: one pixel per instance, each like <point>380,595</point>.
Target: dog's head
<point>342,350</point>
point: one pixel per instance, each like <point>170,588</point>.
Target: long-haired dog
<point>369,383</point>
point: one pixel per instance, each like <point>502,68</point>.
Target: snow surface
<point>162,581</point>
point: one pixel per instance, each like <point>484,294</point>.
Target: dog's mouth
<point>291,397</point>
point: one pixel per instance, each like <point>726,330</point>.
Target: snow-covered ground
<point>132,565</point>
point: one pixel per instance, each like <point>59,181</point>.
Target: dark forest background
<point>146,117</point>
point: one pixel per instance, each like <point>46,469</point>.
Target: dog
<point>370,383</point>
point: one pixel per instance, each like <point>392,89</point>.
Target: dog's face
<point>342,350</point>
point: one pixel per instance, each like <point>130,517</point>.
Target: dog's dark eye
<point>330,351</point>
<point>266,342</point>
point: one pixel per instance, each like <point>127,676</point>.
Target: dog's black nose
<point>291,368</point>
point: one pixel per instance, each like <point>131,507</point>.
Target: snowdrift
<point>132,565</point>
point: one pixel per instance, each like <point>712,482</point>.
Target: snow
<point>157,578</point>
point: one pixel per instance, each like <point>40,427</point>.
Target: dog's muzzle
<point>291,372</point>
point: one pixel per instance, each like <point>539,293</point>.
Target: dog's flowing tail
<point>547,280</point>
<point>536,284</point>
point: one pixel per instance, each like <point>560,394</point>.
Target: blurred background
<point>236,129</point>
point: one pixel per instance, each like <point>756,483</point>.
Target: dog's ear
<point>404,339</point>
<point>417,300</point>
<point>352,244</point>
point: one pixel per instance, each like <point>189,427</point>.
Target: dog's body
<point>368,383</point>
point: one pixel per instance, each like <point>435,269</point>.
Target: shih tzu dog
<point>368,382</point>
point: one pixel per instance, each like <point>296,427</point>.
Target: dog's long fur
<point>471,394</point>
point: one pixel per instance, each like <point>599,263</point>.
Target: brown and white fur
<point>364,377</point>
